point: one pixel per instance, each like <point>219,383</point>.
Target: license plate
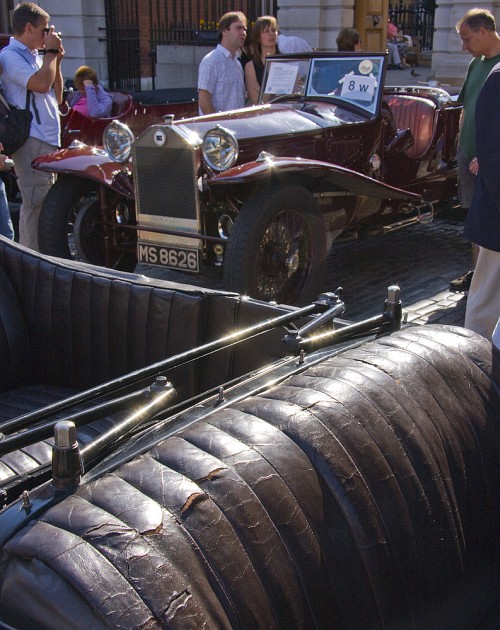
<point>172,257</point>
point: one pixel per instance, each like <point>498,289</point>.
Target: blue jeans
<point>6,227</point>
<point>394,57</point>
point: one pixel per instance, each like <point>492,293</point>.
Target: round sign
<point>365,66</point>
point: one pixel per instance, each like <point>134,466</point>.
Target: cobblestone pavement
<point>421,259</point>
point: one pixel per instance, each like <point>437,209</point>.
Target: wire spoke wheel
<point>71,226</point>
<point>85,231</point>
<point>284,258</point>
<point>277,247</point>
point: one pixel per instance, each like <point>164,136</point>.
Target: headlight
<point>220,149</point>
<point>117,140</point>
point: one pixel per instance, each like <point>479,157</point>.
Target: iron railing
<point>195,22</point>
<point>123,44</point>
<point>415,20</point>
<point>134,29</point>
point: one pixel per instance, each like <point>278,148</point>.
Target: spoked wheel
<point>277,247</point>
<point>70,226</point>
<point>87,240</point>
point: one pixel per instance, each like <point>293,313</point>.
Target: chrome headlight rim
<point>117,140</point>
<point>220,148</point>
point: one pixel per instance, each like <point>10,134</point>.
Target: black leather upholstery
<point>362,493</point>
<point>67,326</point>
<point>15,366</point>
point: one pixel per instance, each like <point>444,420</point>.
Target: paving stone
<point>444,295</point>
<point>411,316</point>
<point>432,308</point>
<point>457,297</point>
<point>423,304</point>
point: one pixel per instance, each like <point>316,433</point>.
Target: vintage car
<point>303,477</point>
<point>260,194</point>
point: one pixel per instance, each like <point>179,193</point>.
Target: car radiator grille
<point>165,176</point>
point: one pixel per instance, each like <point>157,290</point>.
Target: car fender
<point>89,163</point>
<point>339,177</point>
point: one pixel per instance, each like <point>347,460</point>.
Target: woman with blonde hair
<point>263,42</point>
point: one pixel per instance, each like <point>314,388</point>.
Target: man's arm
<point>99,102</point>
<point>58,81</point>
<point>45,77</point>
<point>205,102</point>
<point>50,73</point>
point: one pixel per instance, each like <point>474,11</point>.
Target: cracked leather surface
<point>361,493</point>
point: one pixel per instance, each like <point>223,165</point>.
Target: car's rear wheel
<point>70,226</point>
<point>277,247</point>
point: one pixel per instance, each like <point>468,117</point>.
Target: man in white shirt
<point>292,44</point>
<point>221,83</point>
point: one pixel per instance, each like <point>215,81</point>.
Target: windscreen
<point>355,80</point>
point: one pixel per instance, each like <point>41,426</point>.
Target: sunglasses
<point>46,30</point>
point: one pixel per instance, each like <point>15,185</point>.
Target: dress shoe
<point>462,284</point>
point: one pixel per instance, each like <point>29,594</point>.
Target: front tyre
<point>277,247</point>
<point>70,226</point>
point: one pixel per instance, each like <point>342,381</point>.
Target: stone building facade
<point>83,22</point>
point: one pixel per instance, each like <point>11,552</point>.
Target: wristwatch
<point>54,51</point>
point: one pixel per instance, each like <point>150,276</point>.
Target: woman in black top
<point>264,42</point>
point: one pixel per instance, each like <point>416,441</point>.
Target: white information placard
<point>359,88</point>
<point>281,79</point>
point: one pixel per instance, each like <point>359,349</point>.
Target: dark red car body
<point>138,110</point>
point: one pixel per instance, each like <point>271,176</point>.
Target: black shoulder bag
<point>15,125</point>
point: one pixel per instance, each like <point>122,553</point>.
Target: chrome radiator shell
<point>165,159</point>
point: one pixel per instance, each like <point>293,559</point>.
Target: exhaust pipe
<point>424,214</point>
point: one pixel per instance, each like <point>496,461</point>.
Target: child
<point>90,99</point>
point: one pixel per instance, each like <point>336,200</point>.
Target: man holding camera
<point>32,62</point>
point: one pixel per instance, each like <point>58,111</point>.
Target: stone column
<point>80,22</point>
<point>317,21</point>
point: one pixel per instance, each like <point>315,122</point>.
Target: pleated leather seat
<point>417,115</point>
<point>66,327</point>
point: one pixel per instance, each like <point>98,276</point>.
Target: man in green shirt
<point>477,30</point>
